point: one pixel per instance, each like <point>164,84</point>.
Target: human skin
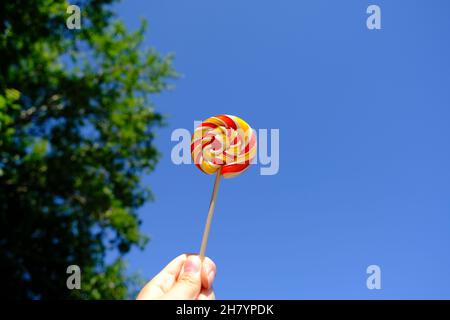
<point>185,278</point>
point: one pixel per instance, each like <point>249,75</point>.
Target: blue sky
<point>364,145</point>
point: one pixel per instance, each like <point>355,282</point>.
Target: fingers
<point>189,282</point>
<point>164,280</point>
<point>185,277</point>
<point>208,273</point>
<point>207,294</point>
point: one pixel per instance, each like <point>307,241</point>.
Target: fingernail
<point>211,276</point>
<point>192,265</point>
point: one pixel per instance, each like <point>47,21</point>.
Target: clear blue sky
<point>364,145</point>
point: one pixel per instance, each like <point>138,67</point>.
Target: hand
<point>185,278</point>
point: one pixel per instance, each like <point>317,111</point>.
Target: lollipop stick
<point>209,218</point>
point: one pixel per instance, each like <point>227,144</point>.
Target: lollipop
<point>224,145</point>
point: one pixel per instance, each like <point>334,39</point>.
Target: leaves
<point>77,124</point>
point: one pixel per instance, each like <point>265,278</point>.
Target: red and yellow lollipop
<point>224,145</point>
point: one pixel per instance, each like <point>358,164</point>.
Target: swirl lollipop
<point>224,145</point>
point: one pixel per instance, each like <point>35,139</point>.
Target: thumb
<point>189,282</point>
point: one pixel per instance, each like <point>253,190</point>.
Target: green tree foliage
<point>76,134</point>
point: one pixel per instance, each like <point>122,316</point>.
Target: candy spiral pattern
<point>224,142</point>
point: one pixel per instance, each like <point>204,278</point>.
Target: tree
<point>76,134</point>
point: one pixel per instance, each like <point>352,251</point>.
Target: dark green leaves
<point>76,134</point>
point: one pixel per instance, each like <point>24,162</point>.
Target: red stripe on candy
<point>233,168</point>
<point>195,144</point>
<point>230,123</point>
<point>250,144</point>
<point>208,124</point>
